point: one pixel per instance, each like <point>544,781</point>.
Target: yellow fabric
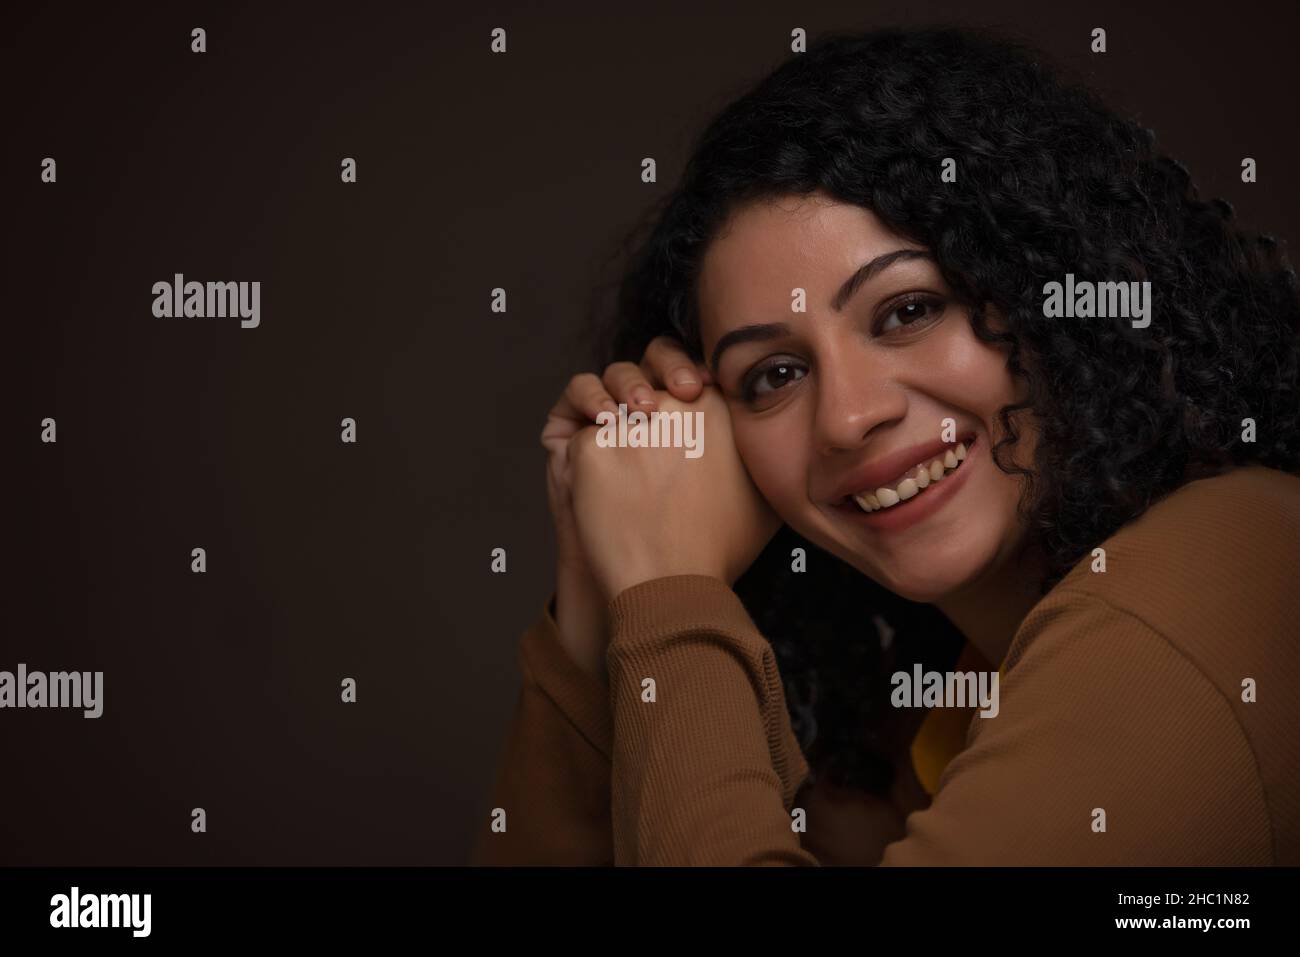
<point>943,732</point>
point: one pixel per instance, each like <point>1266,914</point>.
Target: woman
<point>915,461</point>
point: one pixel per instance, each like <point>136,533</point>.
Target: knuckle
<point>620,372</point>
<point>582,442</point>
<point>580,384</point>
<point>593,397</point>
<point>586,390</point>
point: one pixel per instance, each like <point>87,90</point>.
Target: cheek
<point>774,456</point>
<point>975,377</point>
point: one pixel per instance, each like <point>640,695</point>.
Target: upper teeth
<point>917,478</point>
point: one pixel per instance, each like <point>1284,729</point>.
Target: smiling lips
<point>915,481</point>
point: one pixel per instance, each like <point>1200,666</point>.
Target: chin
<point>929,585</point>
<point>930,577</point>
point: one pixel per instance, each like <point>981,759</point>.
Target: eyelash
<point>755,375</point>
<point>914,298</point>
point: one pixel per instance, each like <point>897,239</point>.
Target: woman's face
<point>860,389</point>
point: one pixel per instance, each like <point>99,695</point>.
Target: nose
<point>857,394</point>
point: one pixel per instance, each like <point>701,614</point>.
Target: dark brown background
<point>372,560</point>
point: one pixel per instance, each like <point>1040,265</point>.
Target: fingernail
<point>643,396</point>
<point>683,377</point>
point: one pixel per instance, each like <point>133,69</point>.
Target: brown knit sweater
<point>1121,691</point>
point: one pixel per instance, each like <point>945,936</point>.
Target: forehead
<point>770,246</point>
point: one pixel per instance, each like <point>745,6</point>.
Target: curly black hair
<point>1050,181</point>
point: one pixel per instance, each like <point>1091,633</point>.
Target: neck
<point>989,611</point>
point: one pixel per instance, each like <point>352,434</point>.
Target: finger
<point>582,400</point>
<point>666,361</point>
<point>585,397</point>
<point>627,383</point>
<point>561,422</point>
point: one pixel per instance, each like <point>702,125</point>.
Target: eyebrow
<point>863,274</point>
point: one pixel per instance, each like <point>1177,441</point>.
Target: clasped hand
<point>627,515</point>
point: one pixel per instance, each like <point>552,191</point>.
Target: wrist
<point>626,577</point>
<point>581,619</point>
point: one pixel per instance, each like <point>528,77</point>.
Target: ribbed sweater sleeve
<point>705,763</point>
<point>553,774</point>
<point>1100,713</point>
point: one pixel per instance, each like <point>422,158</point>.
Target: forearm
<point>705,764</point>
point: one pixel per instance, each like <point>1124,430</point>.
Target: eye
<point>911,311</point>
<point>769,377</point>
